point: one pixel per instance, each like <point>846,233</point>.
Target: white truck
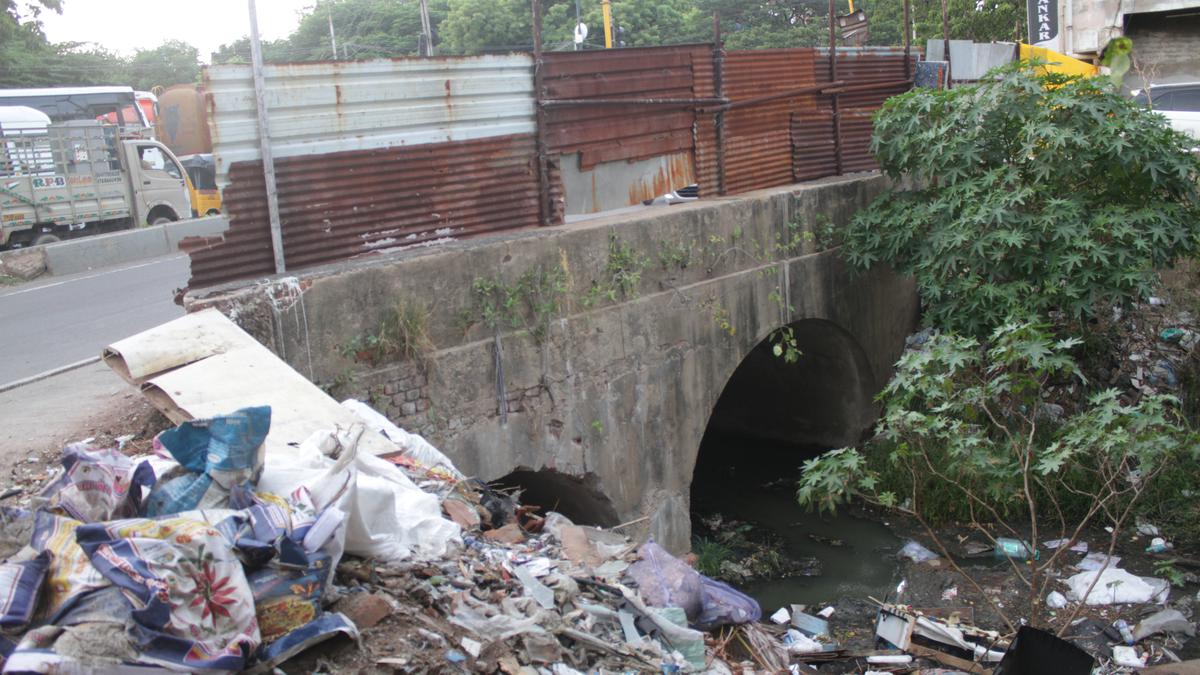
<point>66,179</point>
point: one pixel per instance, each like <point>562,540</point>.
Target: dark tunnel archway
<point>771,417</point>
<point>824,398</point>
<point>576,497</point>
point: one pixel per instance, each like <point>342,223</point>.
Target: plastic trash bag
<point>386,515</point>
<point>216,456</point>
<point>916,552</point>
<point>665,581</point>
<point>1116,586</point>
<point>722,605</point>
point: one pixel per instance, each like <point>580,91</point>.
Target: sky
<point>123,26</point>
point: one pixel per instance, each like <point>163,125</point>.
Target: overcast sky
<point>125,25</point>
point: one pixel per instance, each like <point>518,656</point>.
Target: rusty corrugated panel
<point>758,145</point>
<point>704,130</point>
<point>606,133</point>
<point>342,205</point>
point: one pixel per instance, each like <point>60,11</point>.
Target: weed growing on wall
<point>402,335</point>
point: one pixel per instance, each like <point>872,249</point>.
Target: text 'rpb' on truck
<point>71,178</point>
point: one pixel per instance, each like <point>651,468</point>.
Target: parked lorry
<point>72,178</point>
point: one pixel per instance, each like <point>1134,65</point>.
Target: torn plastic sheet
<point>413,445</point>
<point>387,515</point>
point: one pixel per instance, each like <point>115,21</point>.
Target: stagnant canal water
<point>754,481</point>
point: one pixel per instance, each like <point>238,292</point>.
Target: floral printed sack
<point>193,607</point>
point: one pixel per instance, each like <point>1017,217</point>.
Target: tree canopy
<point>383,28</point>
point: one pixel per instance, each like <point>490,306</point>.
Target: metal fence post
<point>545,213</point>
<point>719,92</point>
<point>833,76</point>
<point>264,142</point>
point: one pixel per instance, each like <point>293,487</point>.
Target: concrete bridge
<point>587,361</point>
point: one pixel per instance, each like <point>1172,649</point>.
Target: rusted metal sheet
<point>758,148</point>
<point>607,130</point>
<point>327,107</point>
<point>342,205</point>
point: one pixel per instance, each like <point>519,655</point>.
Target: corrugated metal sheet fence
<point>372,156</point>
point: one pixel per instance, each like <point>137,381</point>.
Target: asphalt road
<point>62,320</point>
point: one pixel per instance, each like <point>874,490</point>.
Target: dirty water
<point>754,481</point>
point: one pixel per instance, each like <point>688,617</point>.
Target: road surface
<point>62,320</point>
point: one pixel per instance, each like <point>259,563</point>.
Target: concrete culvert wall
<point>576,497</point>
<point>825,398</point>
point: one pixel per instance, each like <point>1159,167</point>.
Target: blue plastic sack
<point>217,456</point>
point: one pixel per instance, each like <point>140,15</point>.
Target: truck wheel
<point>161,220</point>
<point>46,239</point>
<point>213,212</point>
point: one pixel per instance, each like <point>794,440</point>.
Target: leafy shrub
<point>1037,193</point>
<point>970,420</point>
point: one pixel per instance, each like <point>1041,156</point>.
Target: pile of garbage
<point>207,555</point>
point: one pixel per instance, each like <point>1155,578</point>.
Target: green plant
<point>676,254</point>
<point>623,270</point>
<point>1167,570</point>
<point>720,316</point>
<point>710,555</point>
<point>1037,194</point>
<point>968,417</point>
<point>402,334</point>
<point>531,303</point>
<point>598,426</point>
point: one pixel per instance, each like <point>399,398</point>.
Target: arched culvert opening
<point>772,416</point>
<point>576,497</point>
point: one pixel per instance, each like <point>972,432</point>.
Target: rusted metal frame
<point>818,88</point>
<point>907,38</point>
<point>672,102</point>
<point>718,53</point>
<point>860,88</point>
<point>833,77</point>
<point>264,141</point>
<point>545,213</point>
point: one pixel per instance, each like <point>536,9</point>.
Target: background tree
<point>172,62</point>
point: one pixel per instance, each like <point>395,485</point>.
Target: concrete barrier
<point>120,248</point>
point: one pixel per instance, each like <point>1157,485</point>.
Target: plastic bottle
<point>1126,634</point>
<point>1014,548</point>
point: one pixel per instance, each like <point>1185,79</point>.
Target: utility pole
<point>264,142</point>
<point>604,5</point>
<point>426,28</point>
<point>332,37</point>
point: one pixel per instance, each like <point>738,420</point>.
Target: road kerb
<point>48,373</point>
